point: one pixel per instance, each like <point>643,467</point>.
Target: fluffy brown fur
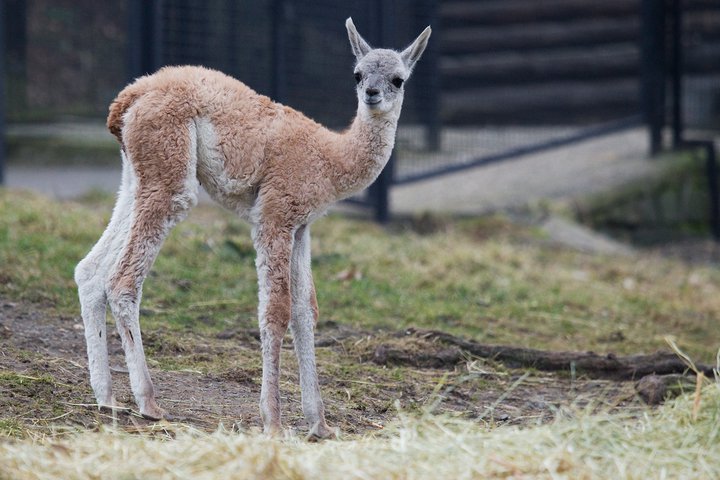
<point>267,162</point>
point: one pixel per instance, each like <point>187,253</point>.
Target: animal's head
<point>381,73</point>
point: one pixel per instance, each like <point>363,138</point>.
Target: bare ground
<point>207,380</point>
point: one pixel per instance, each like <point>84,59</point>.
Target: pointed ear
<point>412,54</point>
<point>359,46</point>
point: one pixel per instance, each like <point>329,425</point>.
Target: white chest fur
<point>236,194</point>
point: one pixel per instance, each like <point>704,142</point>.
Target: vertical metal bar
<point>147,37</point>
<point>234,37</point>
<point>15,38</point>
<point>431,98</point>
<point>713,189</point>
<point>677,73</point>
<point>653,69</point>
<point>2,92</point>
<point>134,40</point>
<point>380,192</point>
<point>279,54</point>
<point>144,34</point>
<point>380,189</point>
<point>155,35</point>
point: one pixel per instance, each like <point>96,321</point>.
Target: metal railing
<point>2,94</point>
<point>663,63</point>
<point>495,83</point>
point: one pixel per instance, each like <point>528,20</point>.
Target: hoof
<point>113,406</point>
<point>169,417</point>
<point>274,431</point>
<point>155,415</point>
<point>151,411</point>
<point>320,431</point>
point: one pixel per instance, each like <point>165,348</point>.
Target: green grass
<point>482,278</point>
<point>485,278</point>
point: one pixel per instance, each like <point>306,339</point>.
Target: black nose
<point>371,92</point>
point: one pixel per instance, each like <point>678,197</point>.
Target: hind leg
<point>91,274</point>
<point>167,189</point>
<point>155,214</point>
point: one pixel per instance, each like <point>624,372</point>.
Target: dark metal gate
<point>682,55</point>
<point>499,79</point>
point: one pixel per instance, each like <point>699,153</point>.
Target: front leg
<point>274,247</point>
<point>303,320</point>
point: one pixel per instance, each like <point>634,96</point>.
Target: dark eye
<point>397,81</point>
<point>358,77</point>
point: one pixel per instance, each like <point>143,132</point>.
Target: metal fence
<point>499,79</point>
<point>2,96</point>
<point>682,46</point>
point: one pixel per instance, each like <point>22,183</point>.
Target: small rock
<point>655,389</point>
<point>501,417</point>
<point>226,334</point>
<point>5,331</point>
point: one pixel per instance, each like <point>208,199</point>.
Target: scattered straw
<point>683,356</point>
<point>698,394</point>
<point>674,441</point>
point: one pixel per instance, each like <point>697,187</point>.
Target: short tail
<point>118,108</point>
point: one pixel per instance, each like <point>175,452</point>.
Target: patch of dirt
<point>209,380</point>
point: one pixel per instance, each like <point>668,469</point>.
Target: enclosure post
<point>15,40</point>
<point>380,192</point>
<point>2,92</point>
<point>135,67</point>
<point>653,70</point>
<point>278,79</point>
<point>155,35</point>
<point>713,189</point>
<point>380,189</point>
<point>431,65</point>
<point>144,33</point>
<point>677,73</point>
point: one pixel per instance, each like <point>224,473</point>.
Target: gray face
<point>380,76</point>
<point>380,73</point>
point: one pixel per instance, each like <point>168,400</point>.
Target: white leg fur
<point>302,326</point>
<point>273,258</point>
<point>91,276</point>
<point>125,309</point>
<point>125,303</point>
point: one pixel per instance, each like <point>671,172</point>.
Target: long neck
<point>363,150</point>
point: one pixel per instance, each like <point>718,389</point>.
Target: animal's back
<point>181,93</point>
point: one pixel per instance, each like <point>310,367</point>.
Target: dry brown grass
<point>677,441</point>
